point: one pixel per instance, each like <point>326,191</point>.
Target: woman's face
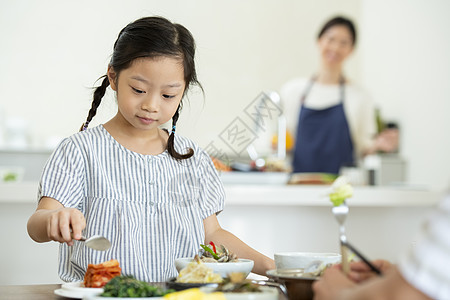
<point>149,91</point>
<point>335,45</point>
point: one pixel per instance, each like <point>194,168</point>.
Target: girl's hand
<point>65,224</point>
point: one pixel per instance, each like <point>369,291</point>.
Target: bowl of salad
<point>219,259</point>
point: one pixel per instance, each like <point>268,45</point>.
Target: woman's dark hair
<point>151,37</point>
<point>341,21</point>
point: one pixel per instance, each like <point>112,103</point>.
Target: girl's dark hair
<point>151,37</point>
<point>342,22</point>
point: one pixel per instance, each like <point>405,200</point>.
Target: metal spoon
<point>281,287</point>
<point>340,213</point>
<point>96,242</point>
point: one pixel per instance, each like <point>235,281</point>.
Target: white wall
<point>406,67</point>
<point>53,51</point>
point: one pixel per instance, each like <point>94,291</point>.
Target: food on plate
<point>212,253</point>
<point>312,178</point>
<point>237,283</point>
<point>197,272</point>
<point>98,275</point>
<point>194,294</point>
<point>220,166</point>
<point>340,190</point>
<point>128,286</point>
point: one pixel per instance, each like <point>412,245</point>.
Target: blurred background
<point>53,51</point>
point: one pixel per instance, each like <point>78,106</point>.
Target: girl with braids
<point>154,195</point>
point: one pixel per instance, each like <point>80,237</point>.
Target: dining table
<point>37,291</point>
<point>30,292</point>
<point>44,292</point>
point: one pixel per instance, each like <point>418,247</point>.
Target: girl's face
<point>149,91</point>
<point>335,45</point>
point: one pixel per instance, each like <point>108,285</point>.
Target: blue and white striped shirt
<point>151,208</point>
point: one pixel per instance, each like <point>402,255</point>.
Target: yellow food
<point>194,294</point>
<point>289,141</point>
<point>197,272</point>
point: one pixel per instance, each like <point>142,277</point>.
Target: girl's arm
<point>53,222</point>
<point>215,233</point>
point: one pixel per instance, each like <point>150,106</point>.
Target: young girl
<point>154,195</point>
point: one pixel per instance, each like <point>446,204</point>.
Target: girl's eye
<point>137,91</point>
<point>168,96</point>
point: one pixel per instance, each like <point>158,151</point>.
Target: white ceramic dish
<point>74,294</point>
<point>293,275</point>
<point>79,287</point>
<point>76,290</point>
<point>116,298</point>
<point>267,293</point>
<point>299,260</point>
<point>242,265</point>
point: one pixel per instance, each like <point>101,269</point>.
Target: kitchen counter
<point>277,194</point>
<point>270,217</point>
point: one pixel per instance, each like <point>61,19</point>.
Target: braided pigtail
<point>98,95</point>
<point>170,142</point>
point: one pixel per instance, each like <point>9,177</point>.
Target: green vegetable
<point>341,191</point>
<point>128,287</point>
<point>206,248</point>
<point>10,177</point>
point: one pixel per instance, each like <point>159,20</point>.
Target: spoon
<point>96,242</point>
<point>279,286</point>
<point>314,268</point>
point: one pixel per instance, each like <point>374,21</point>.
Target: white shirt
<point>426,265</point>
<point>151,208</point>
<point>359,108</point>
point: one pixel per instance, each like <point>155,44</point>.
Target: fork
<point>340,213</point>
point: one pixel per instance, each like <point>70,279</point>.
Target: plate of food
<point>96,276</point>
<point>193,273</point>
<point>237,287</point>
<point>180,286</point>
<point>131,288</point>
<point>218,258</point>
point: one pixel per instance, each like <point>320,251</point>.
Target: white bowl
<point>299,260</point>
<point>222,268</point>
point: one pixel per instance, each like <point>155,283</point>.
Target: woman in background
<point>333,120</point>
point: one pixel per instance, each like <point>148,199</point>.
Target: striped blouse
<point>151,207</point>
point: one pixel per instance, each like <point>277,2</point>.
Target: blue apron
<point>323,142</point>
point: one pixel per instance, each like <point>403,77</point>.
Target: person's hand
<point>332,283</point>
<point>65,224</point>
<point>387,140</point>
<point>360,271</point>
